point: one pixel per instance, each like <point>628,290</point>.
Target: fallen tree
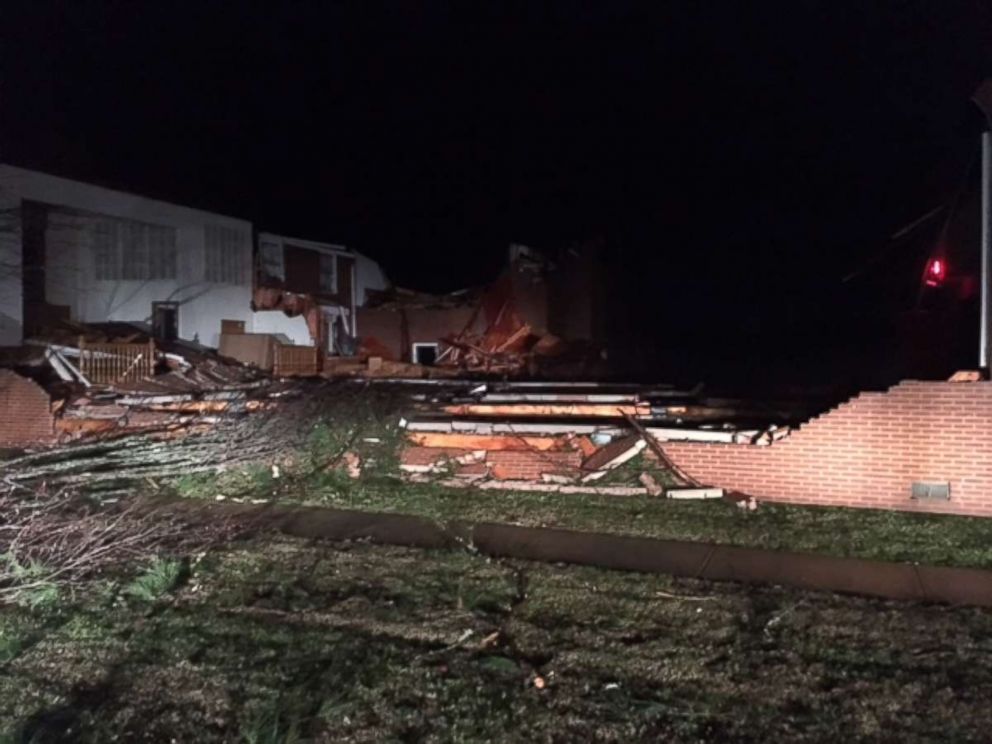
<point>54,543</point>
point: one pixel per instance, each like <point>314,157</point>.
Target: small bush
<point>29,582</point>
<point>161,577</point>
<point>195,485</point>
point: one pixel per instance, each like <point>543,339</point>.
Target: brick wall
<point>25,412</point>
<point>529,465</point>
<point>398,330</point>
<point>502,465</point>
<point>867,452</point>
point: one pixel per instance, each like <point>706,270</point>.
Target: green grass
<point>365,422</point>
<point>287,640</point>
<point>160,577</point>
<point>880,535</point>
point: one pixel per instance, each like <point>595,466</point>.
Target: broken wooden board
<point>611,456</point>
<point>694,493</point>
<point>500,442</point>
<point>573,410</point>
<point>517,427</point>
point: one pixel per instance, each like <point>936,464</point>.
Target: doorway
<point>165,320</point>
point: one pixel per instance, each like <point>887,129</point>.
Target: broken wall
<point>513,464</point>
<point>25,412</point>
<point>867,452</point>
<point>368,276</point>
<point>255,349</point>
<point>276,322</point>
<point>577,294</point>
<point>399,329</point>
<point>528,294</point>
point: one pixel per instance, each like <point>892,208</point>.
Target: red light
<point>936,272</point>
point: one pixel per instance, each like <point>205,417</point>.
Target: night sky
<point>737,159</point>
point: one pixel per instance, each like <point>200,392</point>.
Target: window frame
<point>422,344</point>
<point>226,255</point>
<point>122,249</point>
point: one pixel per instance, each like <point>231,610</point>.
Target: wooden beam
<point>575,410</point>
<point>489,443</point>
<point>656,448</point>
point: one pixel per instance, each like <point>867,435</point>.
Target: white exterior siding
<point>11,306</point>
<point>368,275</point>
<point>278,323</point>
<point>77,209</point>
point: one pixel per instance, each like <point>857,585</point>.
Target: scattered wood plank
<point>694,493</point>
<point>568,410</point>
<point>612,456</point>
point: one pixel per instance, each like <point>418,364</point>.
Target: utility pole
<point>983,98</point>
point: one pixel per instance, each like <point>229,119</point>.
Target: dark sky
<point>736,157</point>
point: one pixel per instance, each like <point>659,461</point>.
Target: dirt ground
<point>284,640</point>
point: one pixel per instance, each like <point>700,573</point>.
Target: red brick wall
<point>385,326</point>
<point>529,465</point>
<point>423,325</point>
<point>25,412</point>
<point>867,452</point>
<point>502,465</point>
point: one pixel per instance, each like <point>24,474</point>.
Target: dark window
<point>425,354</point>
<point>165,320</point>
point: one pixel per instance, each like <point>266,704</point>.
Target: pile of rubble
<point>569,436</point>
<point>497,339</point>
<point>112,380</point>
<point>129,407</point>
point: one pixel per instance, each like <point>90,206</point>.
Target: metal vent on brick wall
<point>939,491</point>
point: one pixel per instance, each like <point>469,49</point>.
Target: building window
<point>227,255</point>
<point>328,275</point>
<point>105,263</point>
<point>134,251</point>
<point>425,354</point>
<point>161,252</point>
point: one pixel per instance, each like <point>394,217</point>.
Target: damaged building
<point>305,297</point>
<point>73,251</point>
<point>77,253</point>
<point>540,307</point>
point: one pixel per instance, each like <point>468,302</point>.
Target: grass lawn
<point>284,640</point>
<point>881,535</point>
<point>366,423</point>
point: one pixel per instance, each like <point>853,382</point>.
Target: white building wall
<point>11,305</point>
<point>70,274</point>
<point>277,322</point>
<point>368,275</point>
